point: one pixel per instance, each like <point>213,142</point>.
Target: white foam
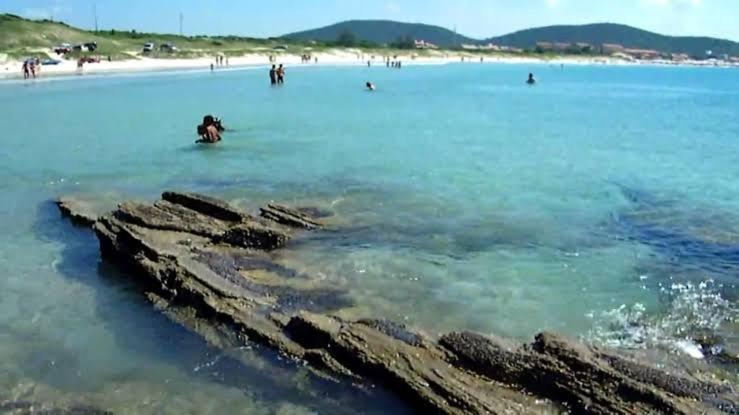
<point>692,308</point>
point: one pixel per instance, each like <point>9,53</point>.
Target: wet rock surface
<point>33,408</point>
<point>78,211</point>
<point>199,252</point>
<point>290,217</point>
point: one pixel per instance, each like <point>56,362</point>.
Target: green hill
<point>21,37</point>
<point>383,32</point>
<point>631,37</point>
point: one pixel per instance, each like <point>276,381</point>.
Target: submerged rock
<point>289,217</point>
<point>33,408</point>
<point>78,211</point>
<point>202,253</point>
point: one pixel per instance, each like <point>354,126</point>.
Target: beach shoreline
<point>12,70</point>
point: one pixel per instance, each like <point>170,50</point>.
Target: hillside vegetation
<point>387,32</point>
<point>631,37</point>
<point>21,37</point>
<point>383,32</point>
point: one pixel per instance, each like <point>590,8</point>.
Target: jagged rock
<point>420,375</point>
<point>584,379</point>
<point>315,212</point>
<point>197,252</point>
<point>289,217</point>
<point>206,205</point>
<point>78,211</point>
<point>255,235</point>
<point>32,408</point>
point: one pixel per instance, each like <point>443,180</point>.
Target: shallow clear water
<point>465,199</point>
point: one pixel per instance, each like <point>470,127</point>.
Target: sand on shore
<point>13,69</point>
<point>10,69</point>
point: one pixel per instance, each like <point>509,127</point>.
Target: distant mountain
<point>383,32</point>
<point>631,37</point>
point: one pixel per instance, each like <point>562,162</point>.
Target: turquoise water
<point>602,203</point>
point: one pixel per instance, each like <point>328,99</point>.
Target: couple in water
<point>30,67</point>
<point>277,75</point>
<point>210,130</point>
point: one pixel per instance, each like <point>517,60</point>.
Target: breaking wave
<point>690,310</point>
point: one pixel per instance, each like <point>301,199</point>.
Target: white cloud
<point>392,7</point>
<point>666,3</point>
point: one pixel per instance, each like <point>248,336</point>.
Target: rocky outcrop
<point>33,408</point>
<point>289,217</point>
<point>195,251</point>
<point>78,211</point>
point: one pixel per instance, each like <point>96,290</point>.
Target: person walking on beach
<point>26,70</point>
<point>281,75</point>
<point>273,75</point>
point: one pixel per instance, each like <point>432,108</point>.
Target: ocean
<point>602,203</point>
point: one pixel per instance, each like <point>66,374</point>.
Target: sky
<point>475,18</point>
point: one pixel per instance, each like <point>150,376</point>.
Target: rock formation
<point>199,252</point>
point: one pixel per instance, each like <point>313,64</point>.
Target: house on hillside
<point>422,44</point>
<point>510,49</point>
<point>489,46</point>
<point>679,57</point>
<point>643,54</point>
<point>544,46</point>
<point>611,48</point>
<point>555,47</point>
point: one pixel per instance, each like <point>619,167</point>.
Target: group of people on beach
<point>219,62</point>
<point>277,75</point>
<point>31,67</point>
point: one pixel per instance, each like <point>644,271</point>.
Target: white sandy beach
<point>13,69</point>
<point>10,69</point>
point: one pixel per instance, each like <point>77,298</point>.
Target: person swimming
<point>210,130</point>
<point>531,80</point>
<point>370,86</point>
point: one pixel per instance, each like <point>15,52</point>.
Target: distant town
<point>605,49</point>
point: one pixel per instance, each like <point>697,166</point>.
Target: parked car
<point>91,46</point>
<point>63,48</point>
<point>280,47</point>
<point>168,47</point>
<point>51,62</point>
<point>91,59</point>
<point>148,47</point>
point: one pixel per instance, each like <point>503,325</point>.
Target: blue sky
<point>477,18</point>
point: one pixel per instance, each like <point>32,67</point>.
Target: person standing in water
<point>531,80</point>
<point>281,75</point>
<point>370,86</point>
<point>273,75</point>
